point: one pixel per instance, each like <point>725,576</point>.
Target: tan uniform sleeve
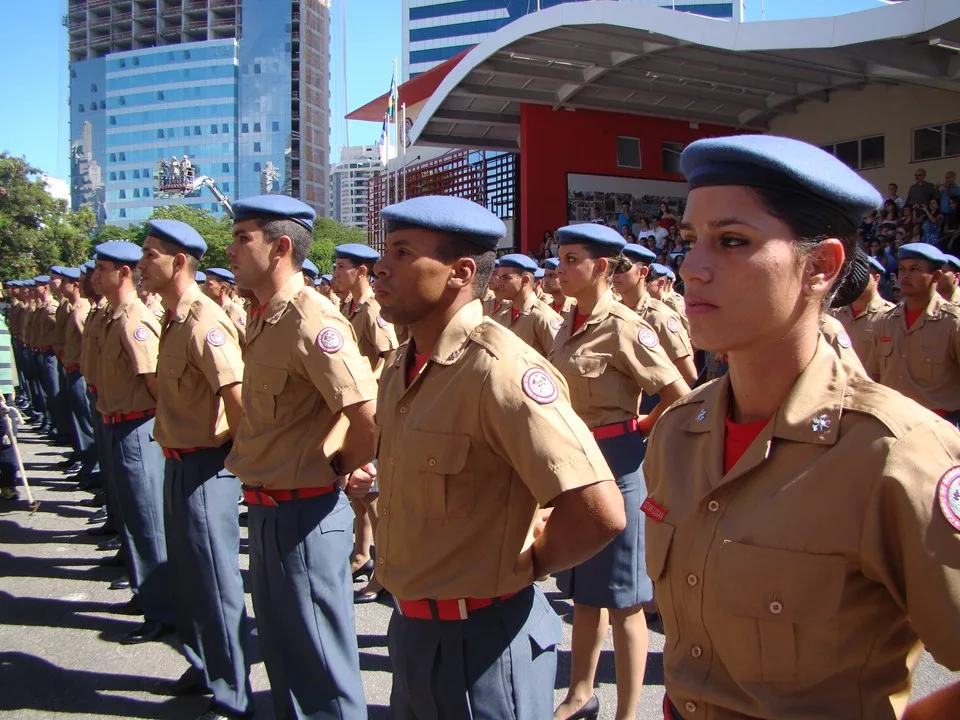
<point>142,346</point>
<point>649,366</point>
<point>215,346</point>
<point>871,363</point>
<point>330,357</point>
<point>675,342</point>
<point>382,332</point>
<point>548,445</point>
<point>907,543</point>
<point>546,333</point>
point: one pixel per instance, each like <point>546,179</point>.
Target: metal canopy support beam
<point>543,97</point>
<point>476,143</point>
<point>478,118</point>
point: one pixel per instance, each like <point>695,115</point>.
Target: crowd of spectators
<point>930,213</point>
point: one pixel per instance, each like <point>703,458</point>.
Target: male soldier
<point>64,415</point>
<point>529,318</point>
<point>18,311</point>
<point>308,406</point>
<point>631,284</point>
<point>538,277</point>
<point>74,386</point>
<point>660,286</point>
<point>563,305</point>
<point>916,348</point>
<point>198,409</point>
<point>353,265</point>
<point>32,361</point>
<point>218,287</point>
<point>152,301</point>
<point>860,318</point>
<point>949,284</point>
<point>476,434</point>
<point>44,338</point>
<point>324,286</point>
<point>127,398</point>
<point>310,272</point>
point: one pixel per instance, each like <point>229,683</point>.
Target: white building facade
<point>348,184</point>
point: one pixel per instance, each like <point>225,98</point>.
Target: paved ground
<point>58,652</point>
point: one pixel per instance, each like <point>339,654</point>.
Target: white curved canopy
<point>637,59</point>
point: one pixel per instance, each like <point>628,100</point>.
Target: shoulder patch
<point>673,325</point>
<point>141,334</point>
<point>330,340</point>
<point>648,338</point>
<point>216,337</point>
<point>843,340</point>
<point>948,492</point>
<point>381,322</point>
<point>539,386</point>
<point>555,323</point>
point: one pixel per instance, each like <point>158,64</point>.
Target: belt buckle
<point>269,502</point>
<point>396,605</point>
<point>462,607</point>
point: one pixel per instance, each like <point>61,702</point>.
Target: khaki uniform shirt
<point>375,336</point>
<point>73,332</point>
<point>801,583</point>
<point>923,362</point>
<point>537,324</point>
<point>45,325</point>
<point>60,333</point>
<point>545,297</point>
<point>155,306</point>
<point>668,325</point>
<point>128,351</point>
<point>610,362</point>
<point>16,319</point>
<point>466,454</point>
<point>567,310</point>
<point>489,300</point>
<point>675,302</point>
<point>860,328</point>
<point>238,316</point>
<point>837,338</point>
<point>199,355</point>
<point>92,341</point>
<point>29,324</point>
<point>301,368</point>
<point>955,297</point>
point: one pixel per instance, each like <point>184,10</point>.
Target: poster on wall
<point>594,198</point>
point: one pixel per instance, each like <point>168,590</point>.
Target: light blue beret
<point>357,252</point>
<point>638,253</point>
<point>29,283</point>
<point>326,278</point>
<point>274,207</point>
<point>69,273</point>
<point>119,251</point>
<point>952,261</point>
<point>310,268</point>
<point>179,234</point>
<point>658,270</point>
<point>41,279</point>
<point>56,269</point>
<point>520,262</point>
<point>922,251</point>
<point>539,274</point>
<point>89,266</point>
<point>599,236</point>
<point>876,265</point>
<point>551,263</point>
<point>201,276</point>
<point>445,213</point>
<point>221,274</point>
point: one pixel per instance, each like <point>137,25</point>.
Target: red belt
<point>261,496</point>
<point>119,418</point>
<point>175,453</point>
<point>616,429</point>
<point>668,710</point>
<point>71,368</point>
<point>45,348</point>
<point>92,388</point>
<point>446,609</point>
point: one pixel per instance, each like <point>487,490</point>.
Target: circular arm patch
<point>539,386</point>
<point>330,340</point>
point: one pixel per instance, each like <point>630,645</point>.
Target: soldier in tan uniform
<point>44,340</point>
<point>219,286</point>
<point>916,348</point>
<point>529,318</point>
<point>949,284</point>
<point>199,370</point>
<point>324,286</point>
<point>476,433</point>
<point>65,423</point>
<point>307,429</point>
<point>610,358</point>
<point>153,303</point>
<point>836,336</point>
<point>38,404</point>
<point>127,399</point>
<point>804,521</point>
<point>659,286</point>
<point>859,319</point>
<point>631,284</point>
<point>494,305</point>
<point>353,266</point>
<point>562,305</point>
<point>539,276</point>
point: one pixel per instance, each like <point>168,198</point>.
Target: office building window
<point>186,131</point>
<point>123,175</point>
<point>225,128</point>
<point>256,147</point>
<point>113,120</point>
<point>196,129</point>
<point>256,167</point>
<point>160,134</point>
<point>123,157</point>
<point>136,192</point>
<point>225,167</point>
<point>146,192</point>
<point>628,152</point>
<point>123,194</point>
<point>113,176</point>
<point>936,141</point>
<point>860,154</point>
<point>123,212</point>
<point>244,128</point>
<point>256,68</point>
<point>213,129</point>
<point>136,174</point>
<point>80,107</point>
<point>276,126</point>
<point>113,157</point>
<point>256,127</point>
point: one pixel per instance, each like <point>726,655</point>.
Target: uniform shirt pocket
<point>932,355</point>
<point>267,384</point>
<point>436,469</point>
<point>589,368</point>
<point>658,539</point>
<point>781,611</point>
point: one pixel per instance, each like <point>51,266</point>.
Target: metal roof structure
<point>636,59</point>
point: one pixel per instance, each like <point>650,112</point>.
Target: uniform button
<point>713,506</point>
<point>380,560</point>
<point>264,387</point>
<point>432,462</point>
<point>690,706</point>
<point>692,580</point>
<point>696,651</point>
<point>776,607</point>
<point>403,410</point>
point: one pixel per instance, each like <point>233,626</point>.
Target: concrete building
<point>239,87</point>
<point>348,184</point>
<point>436,30</point>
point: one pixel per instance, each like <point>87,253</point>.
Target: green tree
<point>327,234</point>
<point>106,233</point>
<point>217,232</point>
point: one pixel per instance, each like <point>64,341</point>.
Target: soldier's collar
<point>278,303</point>
<point>187,300</point>
<point>606,302</point>
<point>527,306</point>
<point>456,334</point>
<point>124,304</point>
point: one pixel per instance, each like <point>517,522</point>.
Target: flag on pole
<point>383,144</point>
<point>392,100</point>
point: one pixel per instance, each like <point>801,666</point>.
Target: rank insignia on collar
<point>820,424</point>
<point>702,415</point>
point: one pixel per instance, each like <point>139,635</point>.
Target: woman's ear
<point>822,266</point>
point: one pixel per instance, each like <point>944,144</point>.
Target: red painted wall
<point>554,143</point>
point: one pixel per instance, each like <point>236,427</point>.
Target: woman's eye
<point>732,241</point>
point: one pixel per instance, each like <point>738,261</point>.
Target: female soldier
<point>609,357</point>
<point>803,532</point>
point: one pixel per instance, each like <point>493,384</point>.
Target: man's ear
<point>464,270</point>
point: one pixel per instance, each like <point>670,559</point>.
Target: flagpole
<point>403,113</point>
<point>396,130</point>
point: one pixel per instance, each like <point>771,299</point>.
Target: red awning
<point>414,91</point>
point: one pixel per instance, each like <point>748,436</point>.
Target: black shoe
<point>103,530</point>
<point>364,571</point>
<point>112,561</point>
<point>74,468</point>
<point>130,607</point>
<point>99,516</point>
<point>120,584</point>
<point>97,501</point>
<point>589,711</point>
<point>191,682</point>
<point>148,631</point>
<point>362,598</point>
<point>111,544</point>
<point>218,713</point>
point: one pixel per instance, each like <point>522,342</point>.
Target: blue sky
<point>33,49</point>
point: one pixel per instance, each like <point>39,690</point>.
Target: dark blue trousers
<point>37,396</point>
<point>50,382</point>
<point>81,417</point>
<point>303,601</point>
<point>64,416</point>
<point>137,478</point>
<point>19,355</point>
<point>203,549</point>
<point>501,662</point>
<point>102,442</point>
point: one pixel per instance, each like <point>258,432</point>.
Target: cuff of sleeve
<point>227,377</point>
<point>568,475</point>
<point>348,395</point>
<point>659,382</point>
